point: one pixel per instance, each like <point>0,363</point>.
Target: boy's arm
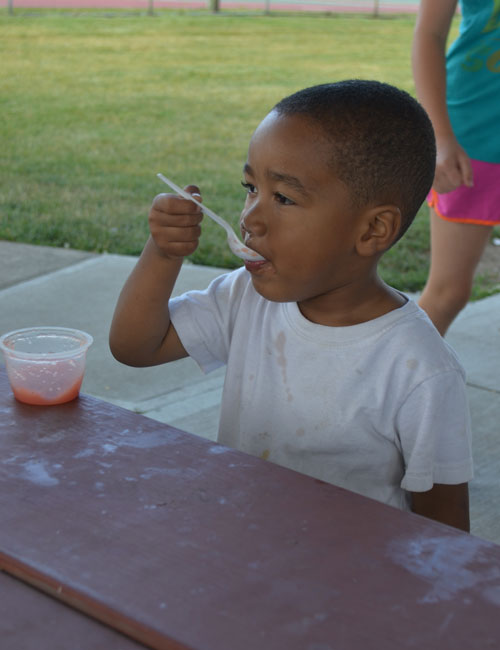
<point>448,504</point>
<point>141,332</point>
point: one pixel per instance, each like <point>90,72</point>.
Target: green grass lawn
<point>93,104</point>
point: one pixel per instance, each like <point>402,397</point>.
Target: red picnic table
<point>121,532</point>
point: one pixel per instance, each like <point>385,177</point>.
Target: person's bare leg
<point>456,249</point>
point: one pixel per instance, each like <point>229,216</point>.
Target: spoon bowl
<point>238,248</point>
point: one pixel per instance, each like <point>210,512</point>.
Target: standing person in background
<point>461,92</point>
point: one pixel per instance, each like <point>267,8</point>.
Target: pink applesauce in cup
<point>45,365</point>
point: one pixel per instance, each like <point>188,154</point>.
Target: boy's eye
<point>280,198</point>
<point>250,189</point>
<point>284,200</point>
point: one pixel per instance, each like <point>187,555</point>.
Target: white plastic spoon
<point>235,245</point>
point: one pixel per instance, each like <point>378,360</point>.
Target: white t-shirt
<point>379,408</point>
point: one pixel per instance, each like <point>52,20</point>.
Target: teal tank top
<point>473,80</point>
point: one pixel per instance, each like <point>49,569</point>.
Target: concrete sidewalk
<point>51,286</point>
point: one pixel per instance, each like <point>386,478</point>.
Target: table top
<point>181,543</point>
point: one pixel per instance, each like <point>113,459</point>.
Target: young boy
<point>329,371</point>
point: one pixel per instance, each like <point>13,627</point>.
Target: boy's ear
<point>379,229</point>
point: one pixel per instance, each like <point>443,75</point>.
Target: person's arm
<point>429,71</point>
<point>141,333</point>
<point>448,504</point>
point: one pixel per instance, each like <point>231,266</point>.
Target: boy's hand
<point>174,223</point>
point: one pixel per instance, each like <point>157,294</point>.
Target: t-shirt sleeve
<point>203,320</point>
<point>435,433</point>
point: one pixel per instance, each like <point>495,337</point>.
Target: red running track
<point>360,7</point>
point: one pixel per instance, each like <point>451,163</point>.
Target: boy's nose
<point>252,221</point>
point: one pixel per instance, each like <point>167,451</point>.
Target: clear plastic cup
<point>45,365</point>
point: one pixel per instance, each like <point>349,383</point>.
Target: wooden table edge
<point>86,604</point>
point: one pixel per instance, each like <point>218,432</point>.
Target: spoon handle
<point>189,197</point>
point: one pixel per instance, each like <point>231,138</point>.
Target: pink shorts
<point>479,204</point>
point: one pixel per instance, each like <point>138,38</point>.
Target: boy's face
<point>298,215</point>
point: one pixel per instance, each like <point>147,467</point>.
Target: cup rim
<point>87,340</point>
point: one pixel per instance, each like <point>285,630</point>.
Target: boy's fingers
<point>174,223</point>
<point>180,235</point>
<point>176,242</point>
<point>194,190</point>
<point>175,220</point>
<point>181,249</point>
<point>173,204</point>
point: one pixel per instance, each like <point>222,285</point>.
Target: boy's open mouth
<point>255,267</point>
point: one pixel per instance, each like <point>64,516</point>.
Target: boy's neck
<point>352,305</point>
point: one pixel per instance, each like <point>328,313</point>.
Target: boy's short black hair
<point>383,145</point>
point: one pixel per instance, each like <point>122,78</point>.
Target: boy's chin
<point>270,292</point>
